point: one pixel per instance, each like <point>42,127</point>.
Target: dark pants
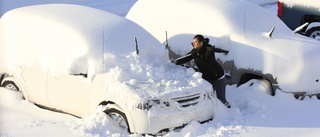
<point>220,87</point>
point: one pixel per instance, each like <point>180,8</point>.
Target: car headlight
<point>209,95</point>
<point>146,105</point>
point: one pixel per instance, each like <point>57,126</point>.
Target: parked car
<point>296,13</point>
<point>260,45</point>
<point>77,59</point>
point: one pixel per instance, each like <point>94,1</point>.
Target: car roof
<point>70,32</point>
<point>234,16</point>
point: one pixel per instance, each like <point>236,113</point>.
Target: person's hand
<point>226,52</point>
<point>173,61</point>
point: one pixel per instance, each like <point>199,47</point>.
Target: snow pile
<point>253,113</point>
<point>22,118</point>
<point>148,79</point>
<point>98,125</point>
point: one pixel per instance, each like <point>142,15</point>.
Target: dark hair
<point>200,38</point>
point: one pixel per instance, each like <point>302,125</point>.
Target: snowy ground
<point>253,112</point>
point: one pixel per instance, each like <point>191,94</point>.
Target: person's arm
<point>186,58</point>
<point>219,50</point>
<point>183,59</point>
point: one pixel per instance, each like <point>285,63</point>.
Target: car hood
<point>151,79</point>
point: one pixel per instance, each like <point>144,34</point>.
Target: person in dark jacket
<point>204,56</point>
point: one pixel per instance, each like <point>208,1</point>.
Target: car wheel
<point>10,85</point>
<point>118,117</point>
<point>264,83</point>
<point>313,32</point>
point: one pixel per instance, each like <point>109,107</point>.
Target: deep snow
<point>253,112</point>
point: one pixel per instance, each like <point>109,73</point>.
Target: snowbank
<point>253,113</point>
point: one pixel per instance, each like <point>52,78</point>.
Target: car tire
<point>11,85</point>
<point>118,117</point>
<point>313,32</point>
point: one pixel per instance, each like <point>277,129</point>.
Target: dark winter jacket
<point>205,59</point>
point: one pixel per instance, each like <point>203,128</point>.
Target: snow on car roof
<point>73,31</point>
<point>217,18</point>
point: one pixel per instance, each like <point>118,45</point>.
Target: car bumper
<point>163,119</point>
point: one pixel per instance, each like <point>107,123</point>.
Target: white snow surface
<point>253,112</point>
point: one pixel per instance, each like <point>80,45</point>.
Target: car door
<point>69,93</point>
<point>35,78</point>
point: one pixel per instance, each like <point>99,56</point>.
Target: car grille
<point>188,100</point>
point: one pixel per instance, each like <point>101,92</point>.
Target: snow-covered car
<point>260,45</point>
<point>78,60</point>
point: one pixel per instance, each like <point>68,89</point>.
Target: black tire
<point>119,118</point>
<point>313,32</point>
<point>10,85</point>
